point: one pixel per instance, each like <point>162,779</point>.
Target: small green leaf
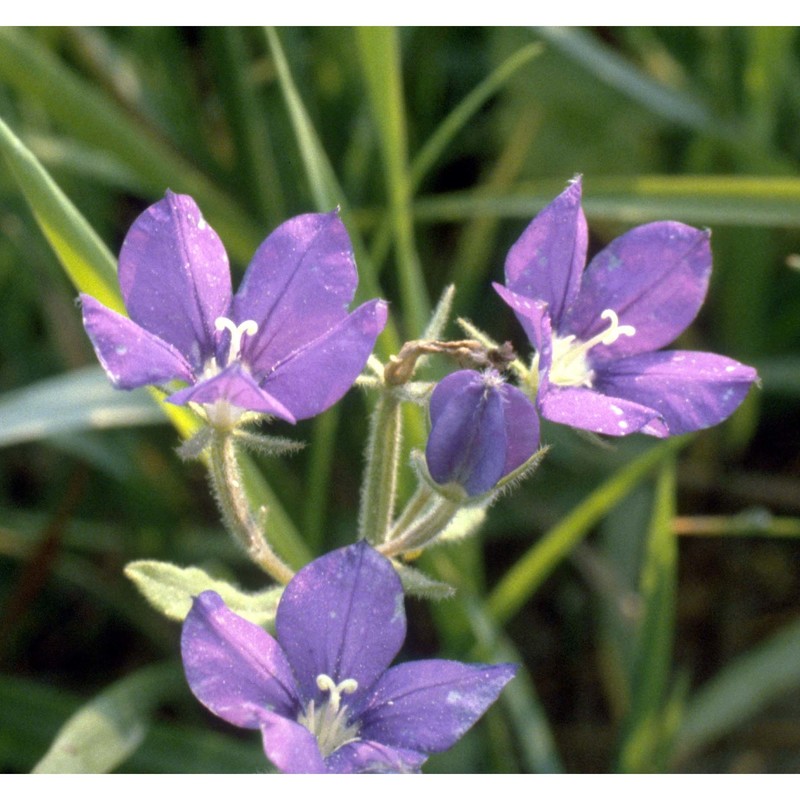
<point>170,589</point>
<point>99,736</point>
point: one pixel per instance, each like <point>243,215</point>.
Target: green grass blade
<point>643,735</point>
<point>77,401</point>
<point>696,199</point>
<point>104,732</point>
<point>379,49</point>
<point>84,256</point>
<point>741,690</point>
<point>460,116</point>
<point>533,734</point>
<point>527,575</point>
<point>33,71</point>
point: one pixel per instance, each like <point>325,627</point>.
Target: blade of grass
<point>31,69</point>
<point>700,199</point>
<point>76,401</point>
<point>528,574</point>
<point>379,51</point>
<point>82,253</point>
<point>643,734</point>
<point>740,690</point>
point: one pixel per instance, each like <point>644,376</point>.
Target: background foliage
<point>650,590</point>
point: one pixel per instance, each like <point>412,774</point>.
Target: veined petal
<point>175,277</point>
<point>654,277</point>
<point>531,315</point>
<point>590,410</point>
<point>342,616</point>
<point>234,667</point>
<point>365,756</point>
<point>427,706</point>
<point>546,262</point>
<point>468,442</point>
<point>315,376</point>
<point>289,746</point>
<point>236,386</point>
<point>130,355</point>
<point>689,390</point>
<point>298,285</point>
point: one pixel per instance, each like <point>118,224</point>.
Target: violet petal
<point>234,667</point>
<point>546,262</point>
<point>529,312</point>
<point>291,747</point>
<point>590,410</point>
<point>690,390</point>
<point>130,355</point>
<point>234,385</point>
<point>428,705</point>
<point>654,277</point>
<point>522,428</point>
<point>468,441</point>
<point>366,756</point>
<point>175,277</point>
<point>342,616</point>
<point>315,376</point>
<point>298,285</point>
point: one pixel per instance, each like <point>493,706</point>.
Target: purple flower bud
<point>481,430</point>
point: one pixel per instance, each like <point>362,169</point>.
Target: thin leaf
<point>643,736</point>
<point>103,733</point>
<point>742,689</point>
<point>527,575</point>
<point>85,258</point>
<point>77,401</point>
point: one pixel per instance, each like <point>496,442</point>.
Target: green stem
<point>413,509</point>
<point>228,486</point>
<point>424,530</point>
<point>379,490</point>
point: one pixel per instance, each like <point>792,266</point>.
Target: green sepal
<point>170,589</point>
<point>419,584</point>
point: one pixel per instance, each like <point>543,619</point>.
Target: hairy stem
<point>229,491</point>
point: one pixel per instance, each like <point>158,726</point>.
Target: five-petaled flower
<point>597,332</point>
<point>283,345</point>
<point>481,430</point>
<point>321,693</point>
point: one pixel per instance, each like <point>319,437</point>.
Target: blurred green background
<point>652,591</point>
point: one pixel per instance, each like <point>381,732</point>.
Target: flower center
<point>570,365</point>
<point>247,328</point>
<point>329,722</point>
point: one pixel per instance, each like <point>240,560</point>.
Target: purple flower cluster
<point>322,692</point>
<point>283,345</point>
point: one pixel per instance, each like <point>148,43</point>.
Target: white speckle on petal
<point>120,350</point>
<point>730,369</point>
<point>617,410</point>
<point>622,424</point>
<point>201,224</point>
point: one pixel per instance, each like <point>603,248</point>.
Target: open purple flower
<point>597,332</point>
<point>283,345</point>
<point>481,430</point>
<point>321,694</point>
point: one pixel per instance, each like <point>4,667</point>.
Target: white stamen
<point>247,328</point>
<point>326,684</point>
<point>570,366</point>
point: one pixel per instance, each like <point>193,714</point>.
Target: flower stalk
<point>228,487</point>
<point>424,530</point>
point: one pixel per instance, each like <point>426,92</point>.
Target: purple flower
<point>321,694</point>
<point>481,430</point>
<point>283,345</point>
<point>597,332</point>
